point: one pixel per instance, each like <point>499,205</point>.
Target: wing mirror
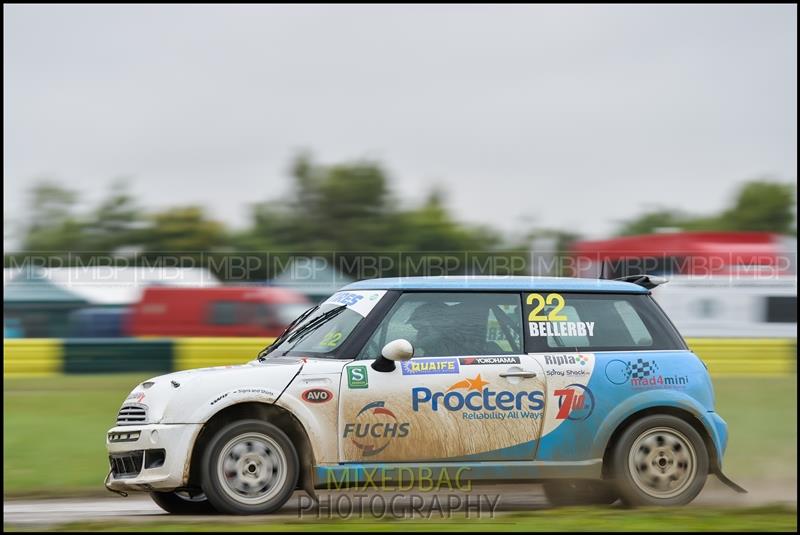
<point>400,349</point>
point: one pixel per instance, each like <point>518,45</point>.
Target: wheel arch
<point>678,412</point>
<point>268,412</point>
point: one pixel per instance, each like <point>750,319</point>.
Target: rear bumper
<point>164,463</point>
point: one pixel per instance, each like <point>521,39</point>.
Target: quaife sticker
<point>435,366</point>
<point>357,377</point>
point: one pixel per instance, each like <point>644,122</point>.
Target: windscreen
<point>326,328</point>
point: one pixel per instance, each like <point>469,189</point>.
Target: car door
<point>469,393</point>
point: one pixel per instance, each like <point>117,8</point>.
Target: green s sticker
<point>357,377</point>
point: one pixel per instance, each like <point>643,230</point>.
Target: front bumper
<point>170,442</point>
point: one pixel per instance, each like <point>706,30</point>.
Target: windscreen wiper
<point>301,333</point>
<point>279,340</point>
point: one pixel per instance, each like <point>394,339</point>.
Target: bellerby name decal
<point>561,328</point>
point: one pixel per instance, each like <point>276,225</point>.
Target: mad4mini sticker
<point>642,373</point>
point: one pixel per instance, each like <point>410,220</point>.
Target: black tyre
<point>580,492</point>
<point>249,467</point>
<point>660,460</point>
<point>183,503</point>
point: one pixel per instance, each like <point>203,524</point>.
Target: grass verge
<point>64,419</point>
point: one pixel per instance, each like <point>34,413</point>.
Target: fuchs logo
<point>317,395</point>
<point>374,428</point>
<point>478,397</point>
<point>575,402</point>
<point>560,360</point>
<point>472,361</point>
<point>642,373</point>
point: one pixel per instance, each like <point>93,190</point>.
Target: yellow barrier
<point>32,356</point>
<point>43,356</point>
<point>746,355</point>
<point>205,352</point>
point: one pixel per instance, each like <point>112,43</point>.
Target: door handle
<point>518,374</point>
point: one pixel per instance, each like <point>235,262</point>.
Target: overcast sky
<point>562,116</point>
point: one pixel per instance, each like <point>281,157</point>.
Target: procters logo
<point>476,395</point>
<point>374,428</point>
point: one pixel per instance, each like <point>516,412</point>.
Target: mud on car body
<point>583,385</point>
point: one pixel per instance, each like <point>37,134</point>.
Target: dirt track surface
<point>500,498</point>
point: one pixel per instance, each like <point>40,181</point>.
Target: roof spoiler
<point>645,281</point>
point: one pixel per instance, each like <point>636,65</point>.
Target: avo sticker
<point>317,395</point>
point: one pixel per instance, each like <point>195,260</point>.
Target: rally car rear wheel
<point>249,467</point>
<point>660,460</point>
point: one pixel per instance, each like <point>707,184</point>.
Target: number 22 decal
<point>541,302</point>
<point>331,339</point>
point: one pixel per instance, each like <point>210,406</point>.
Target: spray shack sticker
<point>546,318</point>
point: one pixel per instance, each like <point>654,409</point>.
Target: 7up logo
<point>575,402</point>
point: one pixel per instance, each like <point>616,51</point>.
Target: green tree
<point>650,222</point>
<point>184,229</point>
<point>759,205</point>
<point>52,225</point>
<point>762,205</point>
<point>117,221</point>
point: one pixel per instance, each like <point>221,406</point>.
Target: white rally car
<point>583,385</point>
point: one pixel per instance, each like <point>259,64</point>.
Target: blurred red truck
<point>218,311</point>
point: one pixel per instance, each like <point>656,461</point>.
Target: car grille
<point>132,414</point>
<point>126,465</point>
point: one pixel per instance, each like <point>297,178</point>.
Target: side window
<point>781,309</point>
<point>224,312</point>
<point>637,330</point>
<point>451,324</point>
<point>596,322</point>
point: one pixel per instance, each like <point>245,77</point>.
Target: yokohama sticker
<point>317,395</point>
<point>473,361</point>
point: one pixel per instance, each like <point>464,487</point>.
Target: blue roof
<point>521,284</point>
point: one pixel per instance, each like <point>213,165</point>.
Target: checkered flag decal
<point>641,369</point>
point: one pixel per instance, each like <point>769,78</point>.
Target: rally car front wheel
<point>249,467</point>
<point>660,460</point>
